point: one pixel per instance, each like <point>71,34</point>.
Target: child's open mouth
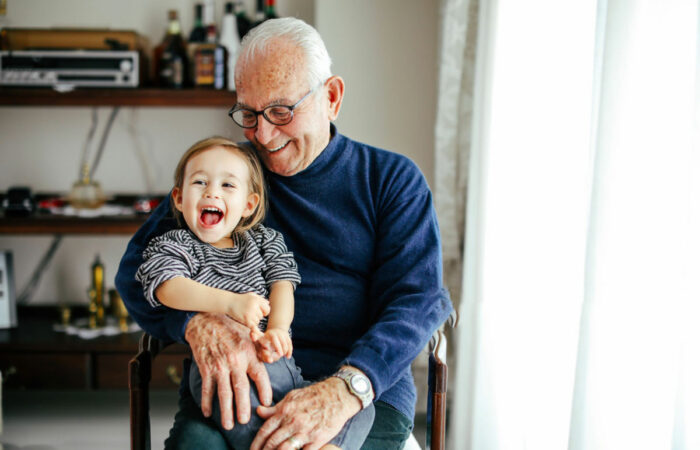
<point>211,216</point>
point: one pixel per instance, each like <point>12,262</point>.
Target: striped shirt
<point>258,258</point>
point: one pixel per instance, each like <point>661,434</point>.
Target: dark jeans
<point>390,430</point>
<point>192,430</point>
<point>284,376</point>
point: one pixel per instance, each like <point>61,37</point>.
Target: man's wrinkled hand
<point>226,358</point>
<point>312,415</point>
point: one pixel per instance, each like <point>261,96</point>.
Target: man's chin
<point>279,164</point>
<point>281,170</point>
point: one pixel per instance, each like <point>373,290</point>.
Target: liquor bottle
<point>172,60</point>
<point>209,22</point>
<point>230,40</point>
<point>210,58</point>
<point>198,33</point>
<point>259,14</point>
<point>242,20</point>
<point>198,36</point>
<point>270,10</point>
<point>97,292</point>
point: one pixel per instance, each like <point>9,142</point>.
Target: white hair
<point>299,33</point>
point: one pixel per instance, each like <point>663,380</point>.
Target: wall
<point>386,52</point>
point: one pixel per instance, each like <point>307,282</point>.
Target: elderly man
<point>361,224</point>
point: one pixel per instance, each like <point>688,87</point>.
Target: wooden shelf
<point>47,224</point>
<point>43,222</point>
<point>118,97</point>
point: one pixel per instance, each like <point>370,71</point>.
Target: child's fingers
<point>267,355</point>
<point>252,323</point>
<point>264,306</point>
<point>262,354</point>
<point>256,334</point>
<point>282,349</point>
<point>290,347</point>
<point>279,346</point>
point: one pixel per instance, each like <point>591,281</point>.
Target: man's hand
<point>248,309</point>
<point>274,344</point>
<point>226,358</point>
<point>312,415</point>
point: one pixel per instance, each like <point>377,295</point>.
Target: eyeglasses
<point>275,114</point>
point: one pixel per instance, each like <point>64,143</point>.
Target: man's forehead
<point>276,75</point>
<point>258,94</point>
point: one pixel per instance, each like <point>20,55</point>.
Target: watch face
<point>360,384</point>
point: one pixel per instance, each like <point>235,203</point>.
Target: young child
<point>225,261</point>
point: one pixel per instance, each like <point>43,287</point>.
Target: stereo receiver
<point>78,68</point>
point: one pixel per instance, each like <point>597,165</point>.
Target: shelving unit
<point>85,97</point>
<point>148,97</point>
<point>46,224</point>
<point>101,363</point>
<point>42,222</point>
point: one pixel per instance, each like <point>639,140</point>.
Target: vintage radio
<point>78,68</point>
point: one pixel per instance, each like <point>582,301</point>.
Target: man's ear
<point>251,204</point>
<point>177,198</point>
<point>336,90</point>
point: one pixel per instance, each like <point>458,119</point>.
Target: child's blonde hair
<point>256,185</point>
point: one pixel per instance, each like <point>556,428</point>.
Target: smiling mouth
<point>211,216</point>
<point>273,150</point>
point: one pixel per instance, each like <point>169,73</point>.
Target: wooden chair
<point>149,347</point>
<point>437,388</point>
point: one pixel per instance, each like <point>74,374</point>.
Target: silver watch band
<point>358,384</point>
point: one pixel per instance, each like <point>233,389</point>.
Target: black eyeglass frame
<point>235,108</point>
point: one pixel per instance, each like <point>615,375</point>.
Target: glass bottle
<point>209,22</point>
<point>98,290</point>
<point>230,40</point>
<point>270,10</point>
<point>198,33</point>
<point>198,36</point>
<point>173,65</point>
<point>210,57</point>
<point>242,20</point>
<point>259,13</point>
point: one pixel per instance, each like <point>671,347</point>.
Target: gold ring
<point>294,442</point>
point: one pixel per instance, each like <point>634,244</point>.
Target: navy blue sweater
<point>362,227</point>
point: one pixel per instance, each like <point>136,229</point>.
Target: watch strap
<point>349,376</point>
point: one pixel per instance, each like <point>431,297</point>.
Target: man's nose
<point>265,132</point>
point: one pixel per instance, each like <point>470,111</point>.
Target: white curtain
<point>453,131</point>
<point>581,281</point>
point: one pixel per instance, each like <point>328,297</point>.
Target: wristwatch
<point>358,384</point>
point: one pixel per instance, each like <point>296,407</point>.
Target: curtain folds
<point>580,300</point>
<point>453,130</point>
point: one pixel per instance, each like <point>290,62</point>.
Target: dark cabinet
<point>34,356</point>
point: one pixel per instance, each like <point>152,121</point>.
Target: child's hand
<point>248,309</point>
<point>274,344</point>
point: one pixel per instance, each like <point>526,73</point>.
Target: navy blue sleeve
<point>163,323</point>
<point>408,298</point>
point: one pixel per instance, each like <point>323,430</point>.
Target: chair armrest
<point>139,379</point>
<point>437,386</point>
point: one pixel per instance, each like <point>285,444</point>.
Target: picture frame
<point>8,306</point>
